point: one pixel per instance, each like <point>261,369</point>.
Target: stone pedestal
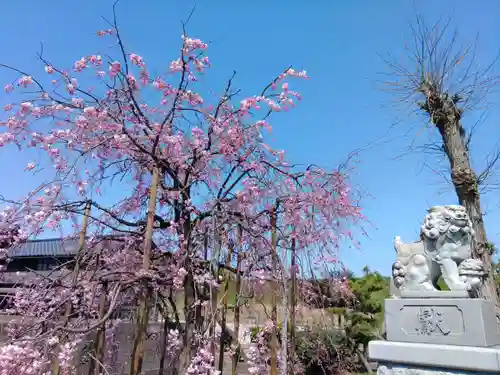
<point>438,336</point>
<point>447,321</point>
<point>409,358</point>
<point>431,331</point>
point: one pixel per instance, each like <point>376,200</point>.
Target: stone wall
<point>124,336</point>
<point>120,364</point>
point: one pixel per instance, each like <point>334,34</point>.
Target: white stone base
<point>411,358</point>
<point>395,369</point>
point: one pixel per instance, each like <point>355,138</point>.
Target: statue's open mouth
<point>460,222</point>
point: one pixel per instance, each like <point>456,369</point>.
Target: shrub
<point>322,351</point>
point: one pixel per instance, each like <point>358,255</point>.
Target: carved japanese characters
<point>431,321</point>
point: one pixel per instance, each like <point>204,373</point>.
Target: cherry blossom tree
<point>202,187</point>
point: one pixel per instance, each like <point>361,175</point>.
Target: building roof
<point>57,247</point>
<point>53,247</point>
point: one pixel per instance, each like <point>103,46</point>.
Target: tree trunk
<point>193,315</point>
<point>214,292</point>
<point>67,314</point>
<point>274,307</point>
<point>237,354</point>
<point>284,327</point>
<point>447,117</point>
<point>364,361</point>
<point>224,311</point>
<point>98,361</point>
<point>293,303</point>
<point>163,345</point>
<point>142,319</point>
<point>465,182</point>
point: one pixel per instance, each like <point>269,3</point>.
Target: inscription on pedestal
<point>432,320</point>
<point>443,321</point>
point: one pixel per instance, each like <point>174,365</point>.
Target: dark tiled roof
<point>54,247</point>
<point>57,247</point>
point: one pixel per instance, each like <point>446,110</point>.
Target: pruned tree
<point>440,78</point>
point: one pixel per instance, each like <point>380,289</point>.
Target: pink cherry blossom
<point>80,64</point>
<point>114,68</point>
<point>8,88</point>
<point>137,60</point>
<point>30,166</point>
<point>25,81</point>
<point>221,189</point>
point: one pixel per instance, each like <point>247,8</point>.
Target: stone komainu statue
<point>444,250</point>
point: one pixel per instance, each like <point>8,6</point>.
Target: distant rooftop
<point>53,247</point>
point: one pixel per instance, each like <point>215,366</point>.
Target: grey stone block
<point>445,321</point>
<point>434,358</point>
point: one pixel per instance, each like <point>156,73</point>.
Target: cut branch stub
<point>465,180</point>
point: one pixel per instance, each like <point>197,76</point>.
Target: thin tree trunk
<point>81,245</point>
<point>142,318</point>
<point>293,301</point>
<point>164,341</point>
<point>237,354</point>
<point>284,328</point>
<point>193,321</point>
<point>274,307</point>
<point>99,343</point>
<point>447,117</point>
<point>214,295</point>
<point>364,361</point>
<point>465,182</point>
<point>224,312</point>
<point>163,346</point>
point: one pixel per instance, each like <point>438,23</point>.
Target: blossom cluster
<point>216,174</point>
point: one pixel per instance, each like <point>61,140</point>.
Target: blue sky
<point>343,109</point>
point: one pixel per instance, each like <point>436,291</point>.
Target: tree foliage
<point>332,351</point>
<point>370,291</point>
<point>201,193</point>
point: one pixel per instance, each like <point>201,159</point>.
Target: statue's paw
<point>398,265</point>
<point>429,287</point>
<point>471,266</point>
<point>459,287</point>
<point>398,272</point>
<point>399,282</point>
<point>474,283</point>
<point>426,286</point>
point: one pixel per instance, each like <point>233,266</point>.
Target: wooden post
<point>236,357</point>
<point>293,301</point>
<point>284,319</point>
<point>142,318</point>
<point>76,270</point>
<point>274,297</point>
